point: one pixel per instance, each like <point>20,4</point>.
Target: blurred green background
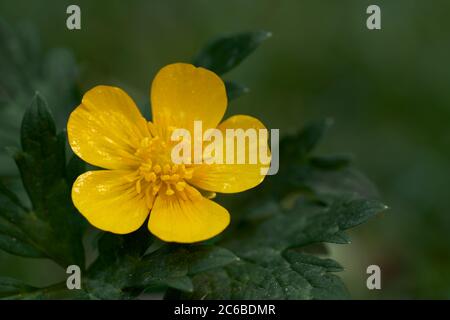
<point>387,90</point>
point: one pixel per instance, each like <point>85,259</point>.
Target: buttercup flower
<point>140,179</point>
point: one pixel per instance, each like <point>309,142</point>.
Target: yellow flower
<point>107,130</point>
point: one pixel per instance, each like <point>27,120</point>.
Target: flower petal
<point>109,200</point>
<point>231,178</point>
<point>182,94</point>
<point>173,219</point>
<point>106,128</point>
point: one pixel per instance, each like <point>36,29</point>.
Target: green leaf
<point>268,274</point>
<point>52,227</point>
<point>272,264</point>
<point>11,287</point>
<point>224,53</point>
<point>304,174</point>
<point>14,241</point>
<point>311,201</point>
<point>234,90</point>
<point>183,283</point>
<point>123,270</point>
<point>179,261</point>
<point>307,223</point>
<point>339,238</point>
<point>12,238</point>
<point>207,258</point>
<point>269,252</point>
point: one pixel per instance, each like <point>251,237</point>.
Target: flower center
<point>158,174</point>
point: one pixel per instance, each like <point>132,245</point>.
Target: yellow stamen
<point>156,171</point>
<point>169,191</point>
<point>138,185</point>
<point>180,185</point>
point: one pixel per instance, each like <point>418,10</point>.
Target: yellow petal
<point>109,201</point>
<point>185,221</point>
<point>182,93</point>
<point>231,178</point>
<point>106,128</point>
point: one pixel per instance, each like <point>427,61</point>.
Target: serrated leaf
<point>339,182</point>
<point>183,283</point>
<point>338,238</point>
<point>305,224</point>
<point>309,202</point>
<point>267,274</point>
<point>224,53</point>
<point>171,262</point>
<point>123,271</point>
<point>14,241</point>
<point>272,265</point>
<point>301,173</point>
<point>52,226</point>
<point>209,258</point>
<point>12,238</point>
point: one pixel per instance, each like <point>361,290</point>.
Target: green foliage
<point>123,269</point>
<point>270,251</point>
<point>225,53</point>
<point>51,228</point>
<point>276,230</point>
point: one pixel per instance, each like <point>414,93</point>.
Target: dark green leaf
<point>224,53</point>
<point>12,214</point>
<point>183,283</point>
<point>14,241</point>
<point>339,238</point>
<point>311,201</point>
<point>209,258</point>
<point>52,228</point>
<point>268,274</point>
<point>343,181</point>
<point>303,174</point>
<point>272,265</point>
<point>123,271</point>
